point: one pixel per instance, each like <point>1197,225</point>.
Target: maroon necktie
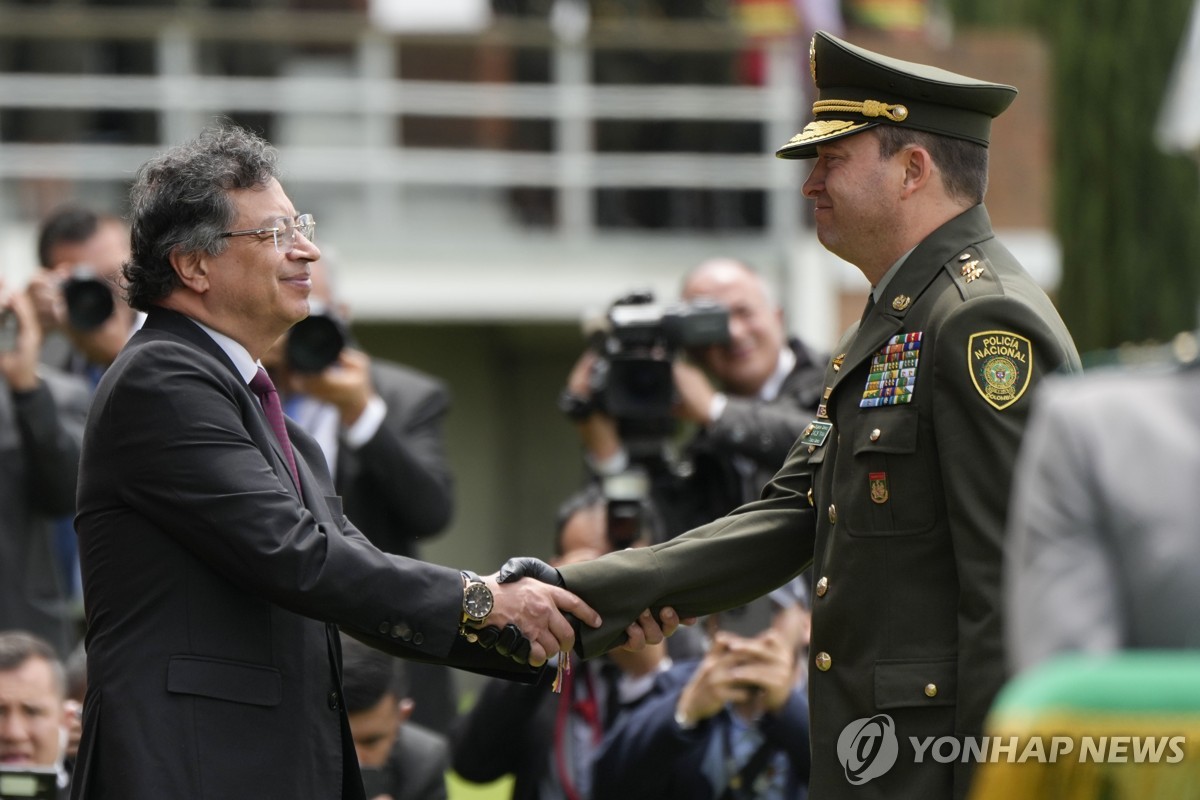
<point>261,385</point>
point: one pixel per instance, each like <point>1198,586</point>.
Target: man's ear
<point>918,170</point>
<point>404,709</point>
<point>192,269</point>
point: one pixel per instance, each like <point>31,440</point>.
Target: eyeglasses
<point>284,231</point>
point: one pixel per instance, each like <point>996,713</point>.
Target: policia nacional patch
<point>1001,363</point>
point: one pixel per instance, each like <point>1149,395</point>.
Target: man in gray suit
<point>1104,538</point>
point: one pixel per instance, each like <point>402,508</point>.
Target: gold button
<point>931,690</point>
<point>812,448</point>
<point>810,497</point>
<point>875,434</point>
<point>807,430</point>
<point>824,662</point>
<point>822,587</point>
<point>832,513</point>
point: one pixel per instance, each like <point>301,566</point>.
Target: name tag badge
<point>816,433</point>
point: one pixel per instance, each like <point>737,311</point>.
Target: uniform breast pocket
<point>892,489</point>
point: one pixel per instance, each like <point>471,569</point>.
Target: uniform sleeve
<point>724,564</point>
<point>992,353</point>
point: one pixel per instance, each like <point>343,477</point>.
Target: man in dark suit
<point>897,491</point>
<point>216,558</point>
<point>748,398</point>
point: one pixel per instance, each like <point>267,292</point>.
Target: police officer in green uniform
<point>897,490</point>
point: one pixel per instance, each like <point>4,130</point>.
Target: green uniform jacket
<point>900,505</point>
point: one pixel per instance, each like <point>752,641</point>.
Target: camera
<point>314,342</point>
<point>749,620</point>
<point>632,380</point>
<point>627,508</point>
<point>89,299</point>
<point>9,328</point>
<point>28,783</point>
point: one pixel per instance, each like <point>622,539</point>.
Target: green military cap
<point>859,89</point>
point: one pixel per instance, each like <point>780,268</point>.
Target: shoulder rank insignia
<point>893,372</point>
<point>1001,364</point>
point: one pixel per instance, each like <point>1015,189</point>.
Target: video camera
<point>632,380</point>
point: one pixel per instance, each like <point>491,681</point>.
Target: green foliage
<point>1126,213</point>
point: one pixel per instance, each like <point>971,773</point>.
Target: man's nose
<point>814,182</point>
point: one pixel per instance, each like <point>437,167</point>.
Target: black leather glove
<point>508,641</point>
<point>528,567</point>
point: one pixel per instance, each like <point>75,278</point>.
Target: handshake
<point>528,620</point>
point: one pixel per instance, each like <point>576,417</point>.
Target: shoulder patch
<point>1001,363</point>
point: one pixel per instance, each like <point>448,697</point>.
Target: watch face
<point>477,601</point>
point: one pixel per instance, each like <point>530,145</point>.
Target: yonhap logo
<point>868,748</point>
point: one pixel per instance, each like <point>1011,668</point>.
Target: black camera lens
<point>315,342</point>
<point>89,301</point>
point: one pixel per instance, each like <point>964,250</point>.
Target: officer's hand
<point>528,567</point>
<point>648,630</point>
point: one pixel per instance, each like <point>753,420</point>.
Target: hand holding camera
<point>20,340</point>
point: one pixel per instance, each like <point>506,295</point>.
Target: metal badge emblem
<point>901,302</point>
<point>879,487</point>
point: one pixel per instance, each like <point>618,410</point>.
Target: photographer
<point>85,320</point>
<point>41,424</point>
<point>733,725</point>
<point>767,389</point>
<point>379,425</point>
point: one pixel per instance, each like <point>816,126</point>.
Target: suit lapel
<point>172,322</point>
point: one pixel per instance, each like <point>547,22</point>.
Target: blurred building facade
<point>487,176</point>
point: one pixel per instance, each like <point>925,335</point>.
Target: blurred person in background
<point>42,414</point>
<point>81,252</point>
<point>380,426</point>
<point>35,715</point>
<point>733,724</point>
<point>1104,539</point>
<point>547,741</point>
<point>749,399</point>
<point>84,319</point>
<point>399,759</point>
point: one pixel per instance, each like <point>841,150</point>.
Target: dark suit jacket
<point>212,591</point>
<point>39,459</point>
<point>906,517</point>
<point>647,756</point>
<point>398,489</point>
<point>408,450</point>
